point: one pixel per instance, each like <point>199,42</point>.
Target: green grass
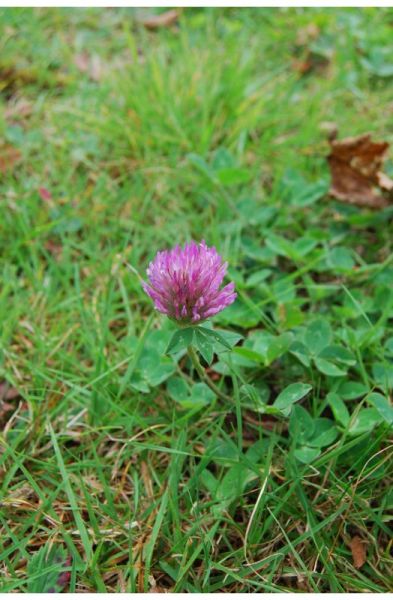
<point>205,130</point>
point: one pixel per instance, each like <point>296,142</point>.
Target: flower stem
<point>204,376</point>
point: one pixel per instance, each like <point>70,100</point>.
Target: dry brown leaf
<point>312,63</point>
<point>165,19</point>
<point>355,165</point>
<point>9,157</point>
<point>91,65</point>
<point>7,392</point>
<point>358,549</point>
<point>18,109</point>
<point>308,60</point>
<point>307,34</point>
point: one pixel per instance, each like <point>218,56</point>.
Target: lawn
<point>120,470</point>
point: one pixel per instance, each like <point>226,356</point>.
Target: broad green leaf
<point>281,246</point>
<point>278,346</point>
<point>233,483</point>
<point>201,396</point>
<point>233,176</point>
<point>267,347</point>
<point>324,434</point>
<point>340,258</point>
<point>291,394</point>
<point>177,389</point>
<point>297,191</point>
<point>301,352</point>
<point>301,425</point>
<point>383,374</point>
<point>210,482</point>
<point>160,373</point>
<point>256,400</point>
<point>201,165</point>
<point>382,405</point>
<point>389,346</point>
<point>239,314</point>
<point>339,409</point>
<point>306,454</point>
<point>366,420</point>
<point>318,335</point>
<point>328,368</point>
<point>48,570</point>
<point>223,452</point>
<point>338,354</point>
<point>250,354</point>
<point>231,337</point>
<point>304,245</point>
<point>204,343</point>
<point>215,336</point>
<point>137,382</point>
<point>180,340</point>
<point>349,390</point>
<point>284,291</point>
<point>256,278</point>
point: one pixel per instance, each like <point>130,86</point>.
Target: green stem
<point>204,376</point>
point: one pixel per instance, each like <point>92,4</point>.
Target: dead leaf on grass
<point>358,549</point>
<point>165,19</point>
<point>18,109</point>
<point>309,57</point>
<point>9,157</point>
<point>89,64</point>
<point>7,392</point>
<point>307,34</point>
<point>45,194</point>
<point>355,165</point>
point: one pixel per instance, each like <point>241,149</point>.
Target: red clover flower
<point>184,283</point>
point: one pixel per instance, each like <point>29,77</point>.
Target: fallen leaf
<point>330,129</point>
<point>45,194</point>
<point>358,549</point>
<point>49,570</point>
<point>307,34</point>
<point>9,157</point>
<point>7,392</point>
<point>355,165</point>
<point>91,65</point>
<point>311,57</point>
<point>18,109</point>
<point>63,579</point>
<point>165,19</point>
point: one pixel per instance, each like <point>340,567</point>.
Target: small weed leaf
<point>318,336</point>
<point>301,425</point>
<point>205,344</point>
<point>382,405</point>
<point>306,454</point>
<point>48,570</point>
<point>365,421</point>
<point>339,409</point>
<point>299,192</point>
<point>291,394</point>
<point>350,390</point>
<point>180,340</point>
<point>358,549</point>
<point>324,433</point>
<point>328,368</point>
<point>177,389</point>
<point>215,337</point>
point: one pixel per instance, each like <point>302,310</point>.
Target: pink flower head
<point>184,283</point>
